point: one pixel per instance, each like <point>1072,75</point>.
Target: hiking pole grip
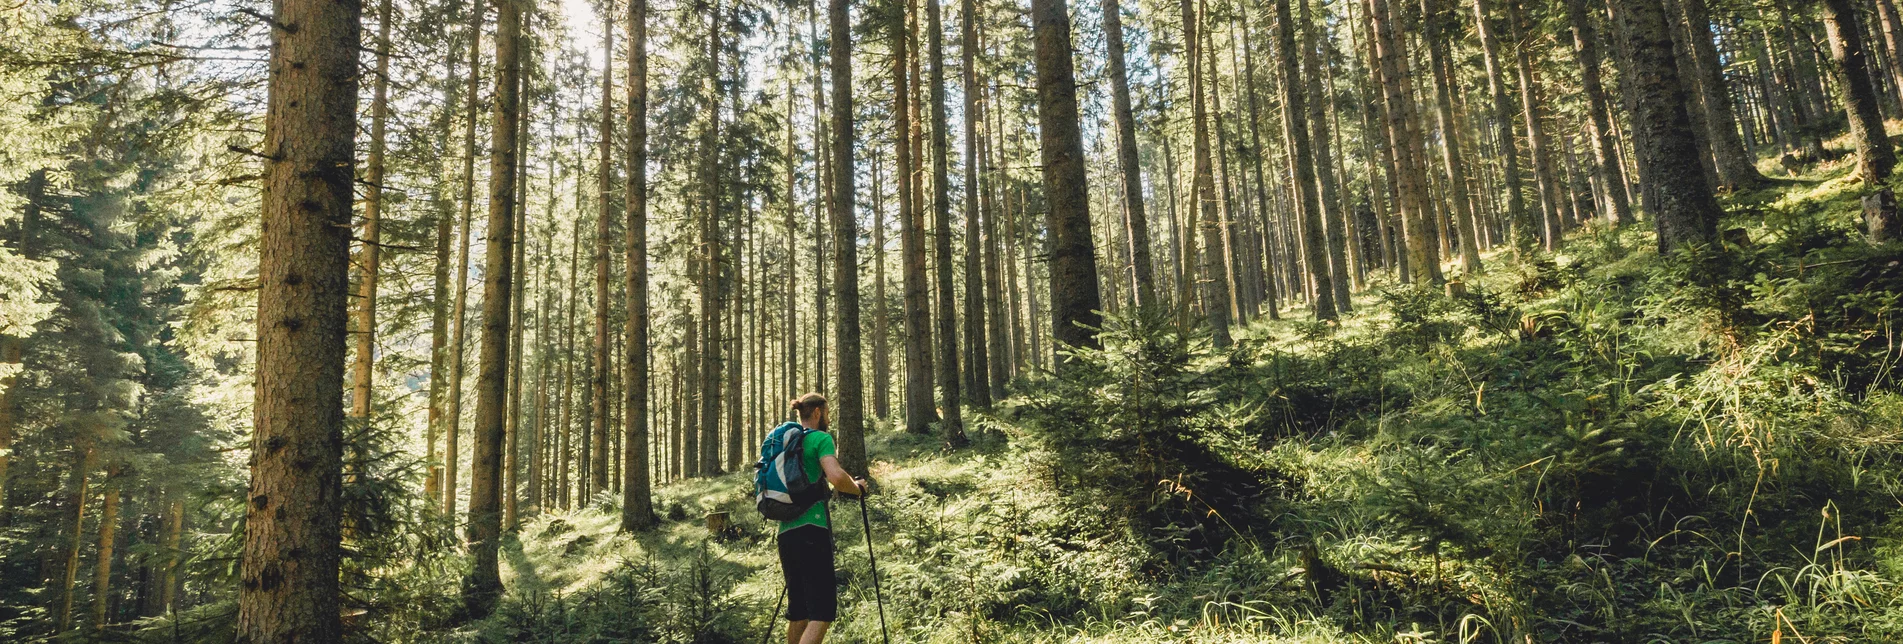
<point>865,519</point>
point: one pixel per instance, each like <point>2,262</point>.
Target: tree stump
<point>1456,288</point>
<point>1879,213</point>
<point>718,522</point>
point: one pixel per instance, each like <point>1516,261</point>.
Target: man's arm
<point>838,477</point>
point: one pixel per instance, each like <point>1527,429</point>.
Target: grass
<point>1600,444</point>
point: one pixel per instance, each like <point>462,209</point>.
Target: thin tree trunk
<point>1605,168</point>
<point>288,572</point>
<point>483,585</point>
<point>946,318</point>
<point>1519,221</point>
<point>102,571</point>
<point>1270,292</point>
<point>710,251</point>
<point>458,329</point>
<point>1334,216</point>
<point>1302,162</point>
<point>978,366</point>
<point>1135,220</point>
<point>848,405</point>
<point>604,220</point>
<point>371,255</point>
<point>439,298</point>
<point>920,412</point>
<point>1204,216</point>
<point>80,495</point>
<point>1417,219</point>
<point>1736,166</point>
<point>881,310</point>
<point>1439,16</point>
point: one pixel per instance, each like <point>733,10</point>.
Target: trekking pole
<point>768,632</point>
<point>865,519</point>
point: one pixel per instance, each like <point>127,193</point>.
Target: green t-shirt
<point>819,445</point>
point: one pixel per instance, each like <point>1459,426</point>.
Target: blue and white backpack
<point>780,487</point>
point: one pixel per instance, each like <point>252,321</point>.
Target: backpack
<point>780,487</point>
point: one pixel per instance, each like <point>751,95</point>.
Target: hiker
<point>806,543</point>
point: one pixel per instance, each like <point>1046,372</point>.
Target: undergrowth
<point>1594,445</point>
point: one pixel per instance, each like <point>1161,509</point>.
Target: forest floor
<point>1594,445</point>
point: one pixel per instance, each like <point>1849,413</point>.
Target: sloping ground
<point>1601,445</point>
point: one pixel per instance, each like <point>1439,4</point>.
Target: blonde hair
<point>804,405</point>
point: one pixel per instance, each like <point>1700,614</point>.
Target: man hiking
<point>806,543</point>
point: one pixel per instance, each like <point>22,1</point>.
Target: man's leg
<point>793,630</point>
<point>815,632</point>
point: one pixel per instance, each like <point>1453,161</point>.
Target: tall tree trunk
<point>1519,221</point>
<point>1736,166</point>
<point>79,496</point>
<point>881,309</point>
<point>710,250</point>
<point>108,535</point>
<point>1270,292</point>
<point>1532,114</point>
<point>604,220</point>
<point>848,404</point>
<point>512,427</point>
<point>1334,215</point>
<point>919,410</point>
<point>978,364</point>
<point>483,586</point>
<point>637,502</point>
<point>1687,213</point>
<point>1875,157</point>
<point>566,429</point>
<point>1073,255</point>
<point>1606,169</point>
<point>950,393</point>
<point>458,329</point>
<point>1204,215</point>
<point>1302,162</point>
<point>288,590</point>
<point>1135,220</point>
<point>1418,226</point>
<point>1439,16</point>
<point>439,295</point>
<point>370,258</point>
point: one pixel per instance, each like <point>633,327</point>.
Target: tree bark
<point>1687,213</point>
<point>1204,216</point>
<point>1606,169</point>
<point>1439,16</point>
<point>978,363</point>
<point>881,310</point>
<point>1334,215</point>
<point>1302,162</point>
<point>1736,165</point>
<point>1135,220</point>
<point>483,585</point>
<point>108,536</point>
<point>1418,226</point>
<point>288,587</point>
<point>440,298</point>
<point>1520,225</point>
<point>711,260</point>
<point>79,496</point>
<point>1075,303</point>
<point>949,384</point>
<point>370,257</point>
<point>919,410</point>
<point>604,220</point>
<point>1875,157</point>
<point>848,404</point>
<point>458,328</point>
<point>637,502</point>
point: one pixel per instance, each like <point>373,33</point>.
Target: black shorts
<point>806,557</point>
